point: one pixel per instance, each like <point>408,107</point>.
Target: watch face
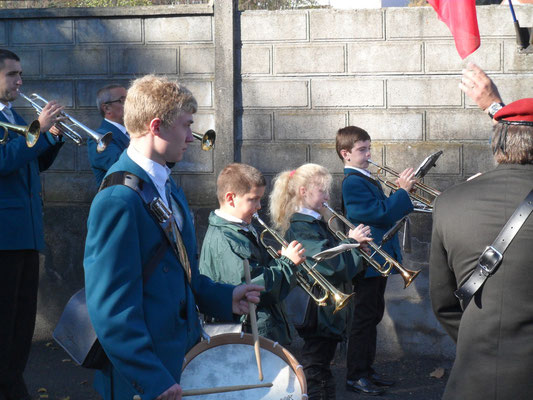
<point>494,108</point>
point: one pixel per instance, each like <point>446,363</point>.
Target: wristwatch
<point>494,108</point>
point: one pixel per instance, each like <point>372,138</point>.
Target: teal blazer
<point>21,203</point>
<point>145,329</point>
<point>366,203</point>
<point>101,162</point>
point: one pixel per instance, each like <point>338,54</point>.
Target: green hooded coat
<point>224,249</point>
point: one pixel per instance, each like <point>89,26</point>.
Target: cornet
<point>66,127</point>
<point>208,139</point>
<point>390,263</point>
<point>327,289</point>
<point>423,200</point>
<point>31,132</point>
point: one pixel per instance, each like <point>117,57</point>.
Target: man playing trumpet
<point>21,233</point>
<point>110,102</point>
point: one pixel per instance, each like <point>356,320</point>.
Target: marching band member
<point>296,203</point>
<point>365,202</point>
<point>110,102</point>
<point>21,222</point>
<point>146,328</point>
<point>231,238</point>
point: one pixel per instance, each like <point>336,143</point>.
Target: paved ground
<point>50,374</point>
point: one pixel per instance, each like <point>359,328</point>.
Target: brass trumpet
<point>390,263</point>
<point>208,139</point>
<point>328,290</point>
<point>31,132</point>
<point>66,127</point>
<point>423,200</point>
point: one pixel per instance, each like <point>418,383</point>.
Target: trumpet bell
<point>408,276</point>
<point>207,139</point>
<point>31,132</point>
<point>341,300</point>
<point>103,141</point>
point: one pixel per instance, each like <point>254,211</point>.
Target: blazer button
<point>165,269</point>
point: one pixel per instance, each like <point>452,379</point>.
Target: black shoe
<point>365,386</point>
<point>380,380</point>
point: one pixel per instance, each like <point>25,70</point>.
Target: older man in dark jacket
<point>493,331</point>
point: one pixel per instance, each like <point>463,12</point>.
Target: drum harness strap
<point>492,256</point>
<point>163,216</point>
<point>158,210</point>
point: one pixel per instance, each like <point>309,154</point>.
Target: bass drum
<point>229,360</point>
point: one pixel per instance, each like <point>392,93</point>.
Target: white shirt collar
<point>119,126</point>
<point>11,117</point>
<point>361,170</point>
<point>228,217</point>
<point>158,173</point>
<point>308,211</point>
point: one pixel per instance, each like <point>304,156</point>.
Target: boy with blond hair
<point>231,239</point>
<point>146,324</point>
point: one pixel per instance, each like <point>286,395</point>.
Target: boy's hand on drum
<point>243,294</point>
<point>294,252</point>
<point>172,393</point>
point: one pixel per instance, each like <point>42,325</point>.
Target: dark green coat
<point>313,234</point>
<point>225,247</point>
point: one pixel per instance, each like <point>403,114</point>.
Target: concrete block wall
<point>276,85</point>
<point>394,72</point>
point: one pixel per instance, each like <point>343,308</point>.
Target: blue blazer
<point>365,203</point>
<point>101,162</point>
<point>145,329</point>
<point>21,204</point>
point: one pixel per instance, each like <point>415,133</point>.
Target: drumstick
<point>222,389</point>
<point>253,321</point>
<point>219,389</point>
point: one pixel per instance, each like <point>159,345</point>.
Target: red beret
<point>520,110</point>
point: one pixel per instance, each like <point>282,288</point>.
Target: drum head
<point>229,360</point>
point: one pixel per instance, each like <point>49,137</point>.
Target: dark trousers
<point>19,281</point>
<point>317,354</point>
<point>368,312</point>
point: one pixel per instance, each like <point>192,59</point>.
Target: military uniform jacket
<point>494,335</point>
<point>313,234</point>
<point>224,249</point>
<point>366,203</point>
<point>145,329</point>
<point>101,162</point>
<point>21,203</point>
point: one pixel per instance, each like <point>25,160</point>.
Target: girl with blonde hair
<point>296,207</point>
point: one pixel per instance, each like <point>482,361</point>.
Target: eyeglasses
<point>120,100</point>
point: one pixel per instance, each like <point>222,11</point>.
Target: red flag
<point>461,18</point>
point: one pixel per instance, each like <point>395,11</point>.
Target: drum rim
<point>246,338</point>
